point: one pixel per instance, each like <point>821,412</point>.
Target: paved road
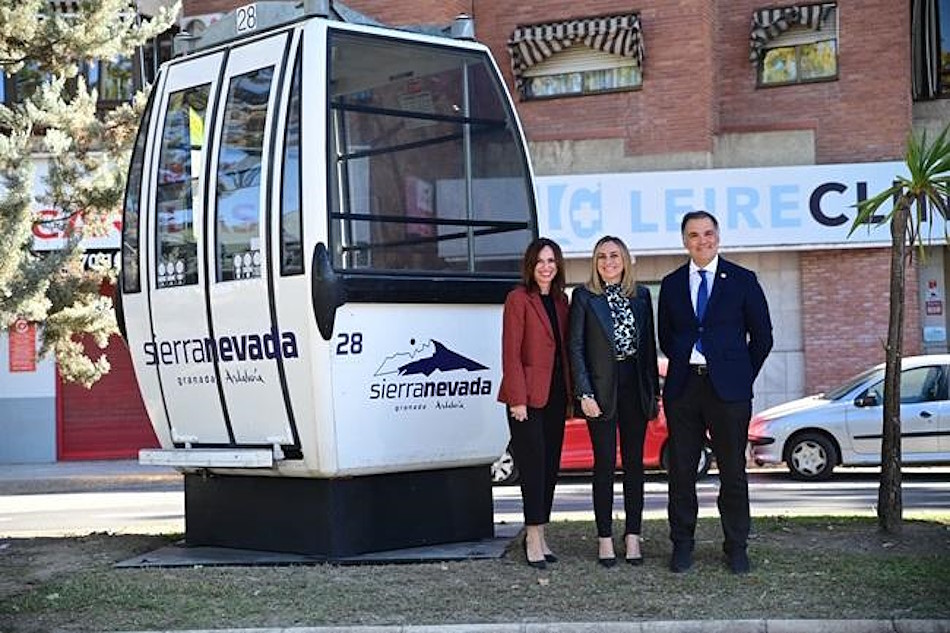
<point>120,500</point>
<point>772,492</point>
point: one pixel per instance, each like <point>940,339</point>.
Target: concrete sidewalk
<point>678,626</point>
<point>85,476</point>
<point>98,469</point>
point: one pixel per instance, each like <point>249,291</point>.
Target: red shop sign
<point>22,346</point>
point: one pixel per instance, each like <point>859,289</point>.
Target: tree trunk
<point>889,504</point>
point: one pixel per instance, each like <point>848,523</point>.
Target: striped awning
<point>767,24</point>
<point>616,34</point>
<point>72,8</point>
<point>65,7</point>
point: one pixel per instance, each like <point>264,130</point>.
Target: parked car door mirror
<point>869,399</point>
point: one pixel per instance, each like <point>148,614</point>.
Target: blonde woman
<point>614,367</point>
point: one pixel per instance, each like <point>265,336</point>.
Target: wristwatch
<point>587,396</point>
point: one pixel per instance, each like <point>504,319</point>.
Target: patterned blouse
<point>625,326</point>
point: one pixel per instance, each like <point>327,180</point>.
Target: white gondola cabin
<point>322,221</point>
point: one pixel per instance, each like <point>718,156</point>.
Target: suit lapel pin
<point>722,275</point>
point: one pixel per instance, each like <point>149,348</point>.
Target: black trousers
<point>632,425</point>
<point>688,418</point>
<point>536,447</point>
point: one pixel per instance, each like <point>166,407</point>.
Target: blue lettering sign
<point>637,225</point>
<point>675,209</point>
<point>783,198</point>
<point>742,201</point>
<point>710,199</point>
<point>555,198</point>
<point>586,212</point>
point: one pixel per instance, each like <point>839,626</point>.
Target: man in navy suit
<point>716,334</point>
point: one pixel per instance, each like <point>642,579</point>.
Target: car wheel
<point>504,470</point>
<point>811,457</point>
<point>702,467</point>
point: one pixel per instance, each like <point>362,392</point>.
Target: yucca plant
<point>912,199</point>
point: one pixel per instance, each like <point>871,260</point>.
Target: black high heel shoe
<point>537,564</point>
<point>607,563</point>
<point>636,560</point>
<point>551,558</point>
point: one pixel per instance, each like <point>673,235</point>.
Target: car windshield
<point>844,388</point>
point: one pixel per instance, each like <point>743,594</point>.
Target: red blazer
<point>527,348</point>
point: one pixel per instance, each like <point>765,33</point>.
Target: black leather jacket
<point>594,355</point>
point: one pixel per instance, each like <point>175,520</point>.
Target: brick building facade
<point>699,107</point>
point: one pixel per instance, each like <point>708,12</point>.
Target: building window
<point>22,84</point>
<point>580,70</point>
<point>114,79</point>
<point>795,44</point>
<point>577,56</point>
<point>117,79</point>
<point>930,48</point>
<point>156,52</point>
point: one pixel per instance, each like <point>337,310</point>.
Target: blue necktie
<point>702,298</point>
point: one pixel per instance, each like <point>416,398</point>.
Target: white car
<point>844,426</point>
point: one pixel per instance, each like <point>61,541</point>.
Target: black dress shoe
<point>551,558</point>
<point>607,563</point>
<point>739,562</point>
<point>636,562</point>
<point>681,560</point>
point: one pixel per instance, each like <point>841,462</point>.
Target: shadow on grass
<point>803,567</point>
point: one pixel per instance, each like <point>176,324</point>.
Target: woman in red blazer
<point>535,385</point>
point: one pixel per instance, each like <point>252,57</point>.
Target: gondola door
<point>252,347</point>
<point>181,345</point>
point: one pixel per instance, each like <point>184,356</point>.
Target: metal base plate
<point>181,555</point>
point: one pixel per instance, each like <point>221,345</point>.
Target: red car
<point>577,454</point>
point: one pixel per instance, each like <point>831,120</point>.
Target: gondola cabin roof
<point>262,16</point>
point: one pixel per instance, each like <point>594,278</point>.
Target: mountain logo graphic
<point>426,359</point>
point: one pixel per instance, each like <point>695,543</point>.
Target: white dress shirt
<point>695,357</point>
